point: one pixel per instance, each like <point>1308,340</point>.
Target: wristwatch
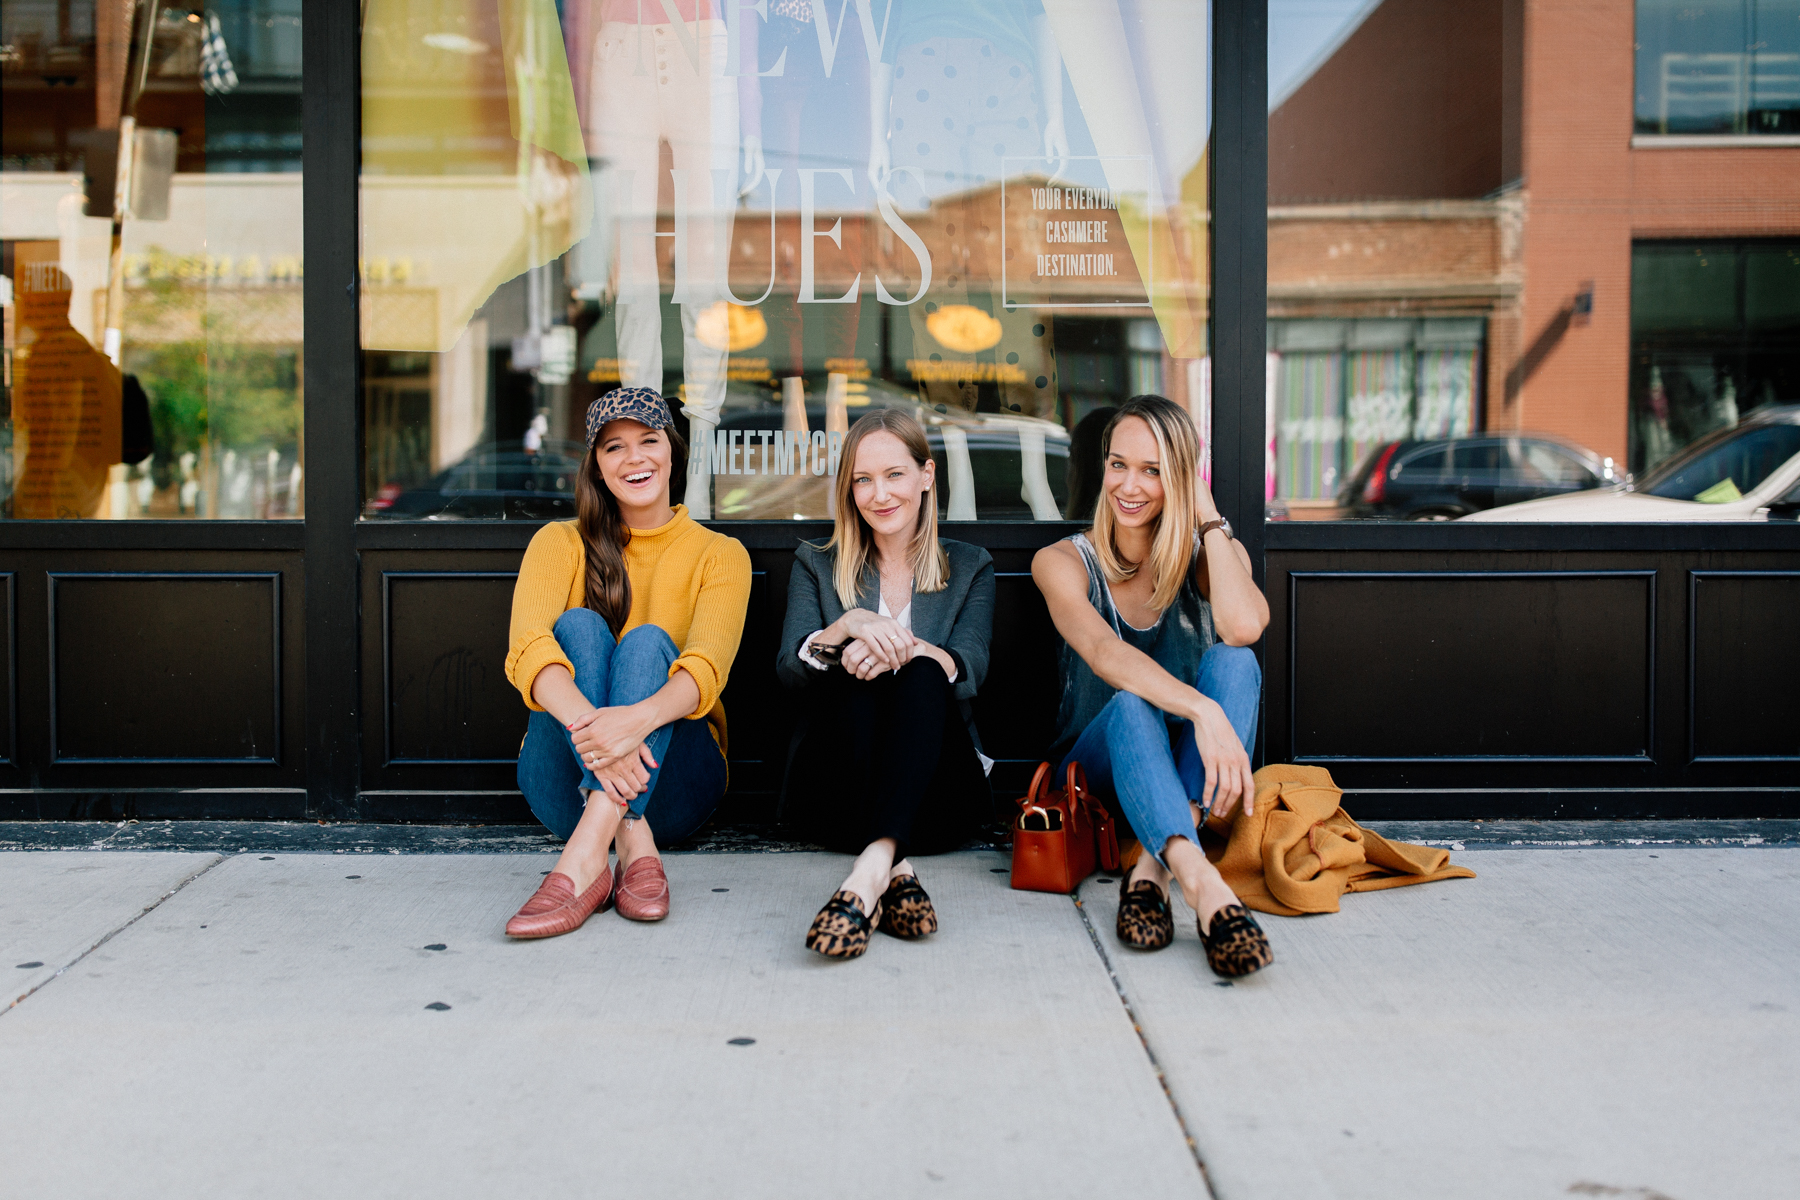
<point>1217,523</point>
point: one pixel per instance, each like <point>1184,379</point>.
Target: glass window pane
<point>150,219</point>
<point>1719,67</point>
<point>1471,242</point>
<point>981,212</point>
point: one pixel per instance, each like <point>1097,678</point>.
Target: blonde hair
<point>852,537</point>
<point>1172,540</point>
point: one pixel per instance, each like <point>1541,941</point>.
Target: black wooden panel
<point>1744,674</point>
<point>758,718</point>
<point>1016,709</point>
<point>448,699</point>
<point>1434,667</point>
<point>165,667</point>
<point>9,682</point>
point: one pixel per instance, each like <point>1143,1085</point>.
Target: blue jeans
<point>689,778</point>
<point>1148,759</point>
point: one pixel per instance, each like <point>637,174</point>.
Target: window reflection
<point>150,224</point>
<point>982,212</point>
<point>1718,68</point>
<point>1485,291</point>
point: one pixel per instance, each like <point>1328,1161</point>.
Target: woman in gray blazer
<point>886,637</point>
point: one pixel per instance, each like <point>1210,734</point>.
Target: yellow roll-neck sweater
<point>688,581</point>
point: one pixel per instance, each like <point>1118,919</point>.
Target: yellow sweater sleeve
<point>720,604</point>
<point>540,596</point>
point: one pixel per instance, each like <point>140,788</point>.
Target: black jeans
<point>886,757</point>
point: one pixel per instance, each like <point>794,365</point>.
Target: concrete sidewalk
<point>1589,1022</point>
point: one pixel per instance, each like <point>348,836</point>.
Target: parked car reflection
<point>501,481</point>
<point>1750,472</point>
<point>990,466</point>
<point>1446,478</point>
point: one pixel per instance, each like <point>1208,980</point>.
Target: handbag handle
<point>1034,796</point>
<point>1077,793</point>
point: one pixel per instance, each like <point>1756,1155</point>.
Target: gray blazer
<point>959,619</point>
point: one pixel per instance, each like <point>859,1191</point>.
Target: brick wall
<point>1521,256</point>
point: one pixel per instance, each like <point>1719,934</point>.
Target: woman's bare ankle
<point>634,841</point>
<point>869,875</point>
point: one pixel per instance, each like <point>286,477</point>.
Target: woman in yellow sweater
<point>624,625</point>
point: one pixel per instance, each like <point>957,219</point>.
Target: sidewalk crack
<point>147,910</point>
<point>1144,1041</point>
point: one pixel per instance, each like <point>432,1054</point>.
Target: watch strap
<point>1216,523</point>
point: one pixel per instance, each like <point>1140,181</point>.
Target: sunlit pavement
<point>1601,1020</point>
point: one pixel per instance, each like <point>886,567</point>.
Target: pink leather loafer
<point>555,908</point>
<point>644,890</point>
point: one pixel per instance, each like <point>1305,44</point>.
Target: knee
<point>1132,711</point>
<point>647,645</point>
<point>1233,667</point>
<point>583,635</point>
<point>925,671</point>
<point>581,625</point>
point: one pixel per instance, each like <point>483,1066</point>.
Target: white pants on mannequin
<point>666,83</point>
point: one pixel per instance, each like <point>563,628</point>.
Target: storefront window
<point>150,219</point>
<point>1715,335</point>
<point>780,214</point>
<point>1488,302</point>
<point>1718,68</point>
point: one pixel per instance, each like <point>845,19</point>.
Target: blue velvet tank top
<point>1180,636</point>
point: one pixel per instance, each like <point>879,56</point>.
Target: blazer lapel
<point>929,616</point>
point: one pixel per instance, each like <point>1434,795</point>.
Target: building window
<point>1342,390</point>
<point>1718,68</point>
<point>982,213</point>
<point>1715,335</point>
<point>153,315</point>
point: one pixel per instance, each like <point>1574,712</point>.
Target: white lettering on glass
<point>808,212</point>
<point>913,242</point>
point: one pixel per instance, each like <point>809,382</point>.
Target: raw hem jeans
<point>1148,759</point>
<point>690,776</point>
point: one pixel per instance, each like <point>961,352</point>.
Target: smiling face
<point>634,462</point>
<point>1133,484</point>
<point>888,485</point>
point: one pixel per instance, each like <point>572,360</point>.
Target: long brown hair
<point>604,534</point>
<point>852,537</point>
<point>1172,541</point>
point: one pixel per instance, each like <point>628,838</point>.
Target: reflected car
<point>1004,486</point>
<point>1750,472</point>
<point>1447,478</point>
<point>501,481</point>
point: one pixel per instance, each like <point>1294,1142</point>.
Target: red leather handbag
<point>1059,837</point>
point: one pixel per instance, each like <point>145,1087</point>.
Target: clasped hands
<point>877,644</point>
<point>611,744</point>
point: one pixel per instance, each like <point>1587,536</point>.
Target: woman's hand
<point>1226,763</point>
<point>884,637</point>
<point>607,734</point>
<point>862,662</point>
<point>624,778</point>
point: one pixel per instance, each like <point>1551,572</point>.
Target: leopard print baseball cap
<point>627,403</point>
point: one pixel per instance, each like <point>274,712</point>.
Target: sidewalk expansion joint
<point>146,911</point>
<point>1137,1027</point>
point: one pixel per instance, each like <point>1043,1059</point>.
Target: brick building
<point>1504,163</point>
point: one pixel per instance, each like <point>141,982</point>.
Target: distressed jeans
<point>689,779</point>
<point>1148,759</point>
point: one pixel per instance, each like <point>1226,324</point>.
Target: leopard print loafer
<point>1235,945</point>
<point>906,910</point>
<point>842,930</point>
<point>1145,920</point>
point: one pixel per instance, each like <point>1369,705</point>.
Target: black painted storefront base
<point>1439,672</point>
